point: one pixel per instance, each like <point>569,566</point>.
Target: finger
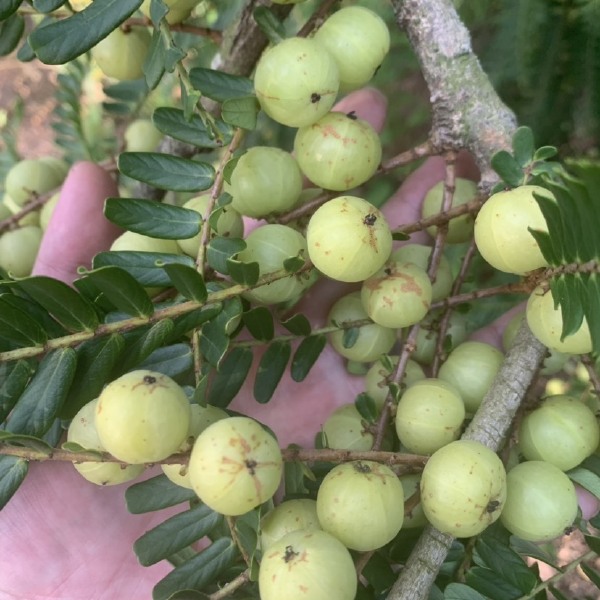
<point>368,104</point>
<point>78,228</point>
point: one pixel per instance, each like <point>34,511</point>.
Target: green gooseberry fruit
<point>398,295</point>
<point>344,429</point>
<point>371,340</point>
<point>562,431</point>
<point>377,378</point>
<point>307,565</point>
<point>179,10</point>
<point>200,418</point>
<point>427,336</point>
<point>229,223</point>
<point>348,239</point>
<point>419,255</point>
<point>338,152</point>
<point>541,502</point>
<point>47,210</point>
<point>296,82</point>
<point>30,218</point>
<point>414,518</point>
<point>460,229</point>
<point>136,242</point>
<point>502,230</point>
<point>553,363</point>
<point>121,54</point>
<point>362,504</point>
<point>18,250</point>
<point>265,181</point>
<point>141,136</point>
<point>470,368</point>
<point>429,415</point>
<point>235,465</point>
<point>359,40</point>
<point>82,431</point>
<point>291,515</point>
<point>463,488</point>
<point>30,178</point>
<point>270,246</point>
<point>546,324</point>
<point>142,417</point>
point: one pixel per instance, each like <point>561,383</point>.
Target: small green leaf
<point>220,249</point>
<point>241,112</point>
<point>508,168</point>
<point>173,360</point>
<point>125,293</point>
<point>145,344</point>
<point>8,7</point>
<point>17,326</point>
<point>523,145</point>
<point>259,322</point>
<point>298,325</point>
<point>269,24</point>
<point>544,153</point>
<point>188,282</point>
<point>12,473</point>
<point>158,10</point>
<point>14,378</point>
<point>558,595</point>
<point>220,86</point>
<point>96,359</point>
<point>366,407</point>
<point>350,337</point>
<point>156,493</point>
<point>306,355</point>
<point>591,574</point>
<point>152,218</point>
<point>174,534</point>
<point>194,319</point>
<point>293,264</point>
<point>199,571</point>
<point>11,31</point>
<point>28,441</point>
<point>460,591</point>
<point>172,122</point>
<point>271,369</point>
<point>167,172</point>
<point>64,40</point>
<point>525,548</point>
<point>214,342</point>
<point>229,168</point>
<point>154,63</point>
<point>41,401</point>
<point>143,265</point>
<point>46,6</point>
<point>491,585</point>
<point>243,273</point>
<point>399,236</point>
<point>230,376</point>
<point>68,307</point>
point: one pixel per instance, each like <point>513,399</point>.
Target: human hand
<point>86,551</point>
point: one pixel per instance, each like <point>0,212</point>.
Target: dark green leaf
<point>11,31</point>
<point>145,344</point>
<point>214,342</point>
<point>152,218</point>
<point>523,146</point>
<point>557,594</point>
<point>379,573</point>
<point>366,407</point>
<point>28,441</point>
<point>158,9</point>
<point>554,222</point>
<point>544,153</point>
<point>172,122</point>
<point>398,236</point>
<point>508,168</point>
<point>41,401</point>
<point>271,369</point>
<point>188,281</point>
<point>220,86</point>
<point>230,377</point>
<point>8,7</point>
<point>593,542</point>
<point>591,574</point>
<point>243,273</point>
<point>306,355</point>
<point>220,249</point>
<point>156,493</point>
<point>126,91</point>
<point>229,168</point>
<point>123,291</point>
<point>175,533</point>
<point>198,571</point>
<point>145,267</point>
<point>491,585</point>
<point>194,319</point>
<point>241,112</point>
<point>68,307</point>
<point>12,473</point>
<point>293,477</point>
<point>64,40</point>
<point>269,24</point>
<point>590,481</point>
<point>298,325</point>
<point>17,326</point>
<point>171,360</point>
<point>525,548</point>
<point>460,591</point>
<point>259,322</point>
<point>96,359</point>
<point>154,63</point>
<point>46,6</point>
<point>293,264</point>
<point>13,381</point>
<point>167,172</point>
<point>350,337</point>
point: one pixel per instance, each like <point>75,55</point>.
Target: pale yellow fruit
<point>141,136</point>
<point>122,54</point>
<point>47,210</point>
<point>18,250</point>
<point>179,10</point>
<point>299,513</point>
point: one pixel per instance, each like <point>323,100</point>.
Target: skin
<point>86,553</point>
